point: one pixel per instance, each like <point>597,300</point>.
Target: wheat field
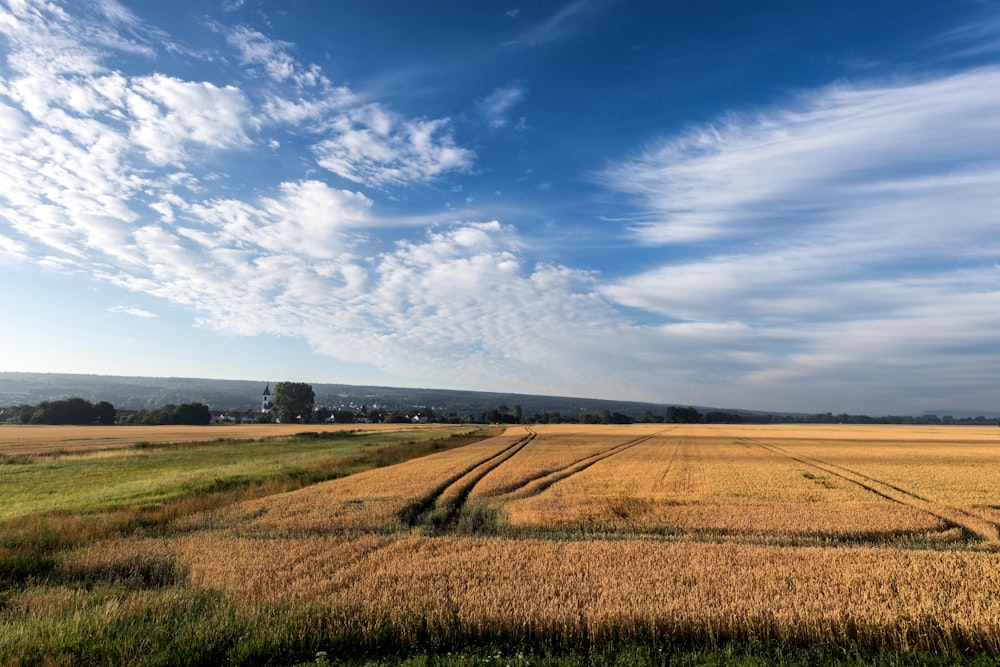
<point>866,539</point>
<point>737,483</point>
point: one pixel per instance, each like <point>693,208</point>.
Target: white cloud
<point>374,146</point>
<point>169,115</point>
<point>300,111</point>
<point>850,236</point>
<point>462,308</point>
<point>831,149</point>
<point>561,25</point>
<point>257,49</point>
<point>134,312</point>
<point>13,249</point>
<point>75,133</point>
<point>12,123</point>
<point>88,152</point>
<point>309,219</point>
<point>459,307</point>
<point>495,106</point>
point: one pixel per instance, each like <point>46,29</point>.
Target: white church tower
<point>265,399</point>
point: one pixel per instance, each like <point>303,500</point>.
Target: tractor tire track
<point>537,485</point>
<point>440,508</point>
<point>971,524</point>
<point>670,465</point>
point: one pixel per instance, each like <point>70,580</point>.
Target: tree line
<point>691,415</point>
<point>64,411</point>
<point>295,402</point>
<point>673,415</point>
<point>81,412</point>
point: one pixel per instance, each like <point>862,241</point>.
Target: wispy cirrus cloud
<point>828,150</point>
<point>496,106</point>
<point>974,38</point>
<point>560,25</point>
<point>847,234</point>
<point>134,312</point>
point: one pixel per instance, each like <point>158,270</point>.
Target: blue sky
<point>772,205</point>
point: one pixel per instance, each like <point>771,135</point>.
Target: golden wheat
<point>684,480</point>
<point>469,587</point>
<point>705,519</point>
<point>369,501</point>
<point>557,447</point>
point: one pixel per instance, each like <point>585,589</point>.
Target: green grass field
<point>146,475</point>
<point>61,499</point>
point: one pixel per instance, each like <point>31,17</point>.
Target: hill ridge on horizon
<point>139,392</point>
<point>146,392</point>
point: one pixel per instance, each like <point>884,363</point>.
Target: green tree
<point>679,415</point>
<point>293,402</point>
<point>65,411</point>
<point>105,412</point>
<point>196,414</point>
<point>343,416</point>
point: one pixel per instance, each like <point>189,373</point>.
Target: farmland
<point>586,543</point>
<point>30,440</point>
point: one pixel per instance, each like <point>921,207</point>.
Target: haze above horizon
<point>778,206</point>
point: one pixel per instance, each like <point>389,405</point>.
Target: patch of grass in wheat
<point>32,440</point>
<point>30,543</point>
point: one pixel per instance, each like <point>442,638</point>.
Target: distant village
<point>361,414</point>
<point>79,411</point>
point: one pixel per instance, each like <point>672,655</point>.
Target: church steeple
<point>265,399</point>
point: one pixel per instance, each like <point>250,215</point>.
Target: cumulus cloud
<point>105,175</point>
<point>459,306</point>
<point>90,152</point>
<point>308,219</point>
<point>168,115</point>
<point>463,308</point>
<point>13,249</point>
